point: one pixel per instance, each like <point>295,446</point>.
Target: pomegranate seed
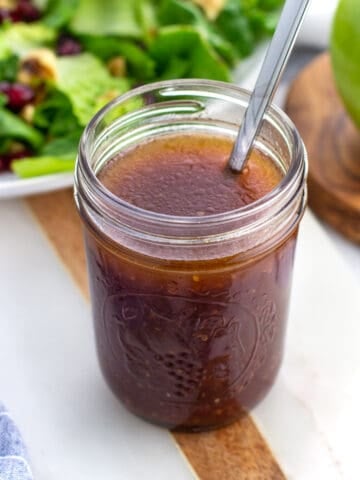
<point>25,12</point>
<point>6,159</point>
<point>4,164</point>
<point>19,154</point>
<point>68,46</point>
<point>17,94</point>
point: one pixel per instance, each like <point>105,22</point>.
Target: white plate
<point>12,186</point>
<point>315,32</point>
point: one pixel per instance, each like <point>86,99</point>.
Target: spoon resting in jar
<point>274,63</point>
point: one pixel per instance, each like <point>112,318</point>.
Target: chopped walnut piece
<point>7,4</point>
<point>27,113</point>
<point>117,66</point>
<point>38,65</point>
<point>212,8</point>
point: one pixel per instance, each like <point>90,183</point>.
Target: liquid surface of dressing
<point>187,175</point>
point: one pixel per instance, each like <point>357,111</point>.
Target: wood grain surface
<point>333,145</point>
<point>236,452</point>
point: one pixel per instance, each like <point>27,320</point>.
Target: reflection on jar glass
<point>189,295</point>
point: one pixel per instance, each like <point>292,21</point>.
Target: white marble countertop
<point>74,428</point>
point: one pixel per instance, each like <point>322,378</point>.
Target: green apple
<point>345,55</point>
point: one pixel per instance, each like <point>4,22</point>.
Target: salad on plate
<point>62,60</point>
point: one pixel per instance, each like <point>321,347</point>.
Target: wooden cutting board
<point>333,145</point>
<point>237,452</point>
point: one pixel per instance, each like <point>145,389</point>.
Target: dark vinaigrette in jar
<point>189,344</point>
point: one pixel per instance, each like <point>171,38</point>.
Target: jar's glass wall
<point>189,313</point>
<point>189,345</point>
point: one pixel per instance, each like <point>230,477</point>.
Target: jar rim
<point>296,168</point>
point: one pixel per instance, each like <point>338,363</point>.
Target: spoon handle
<point>274,63</point>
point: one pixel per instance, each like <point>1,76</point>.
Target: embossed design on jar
<point>196,348</point>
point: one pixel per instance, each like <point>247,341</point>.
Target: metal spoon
<point>274,63</point>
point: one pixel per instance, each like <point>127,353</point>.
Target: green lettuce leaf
<point>59,12</point>
<point>67,145</point>
<point>43,165</point>
<point>87,84</point>
<point>114,17</point>
<point>269,5</point>
<point>263,23</point>
<point>55,115</point>
<point>243,23</point>
<point>184,49</point>
<point>42,4</point>
<point>141,65</point>
<point>205,63</point>
<point>13,127</point>
<point>20,38</point>
<point>234,25</point>
<point>56,156</point>
<point>147,18</point>
<point>177,12</point>
<point>9,68</point>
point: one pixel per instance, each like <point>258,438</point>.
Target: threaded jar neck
<point>182,106</point>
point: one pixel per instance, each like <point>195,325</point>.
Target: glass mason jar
<point>189,312</point>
